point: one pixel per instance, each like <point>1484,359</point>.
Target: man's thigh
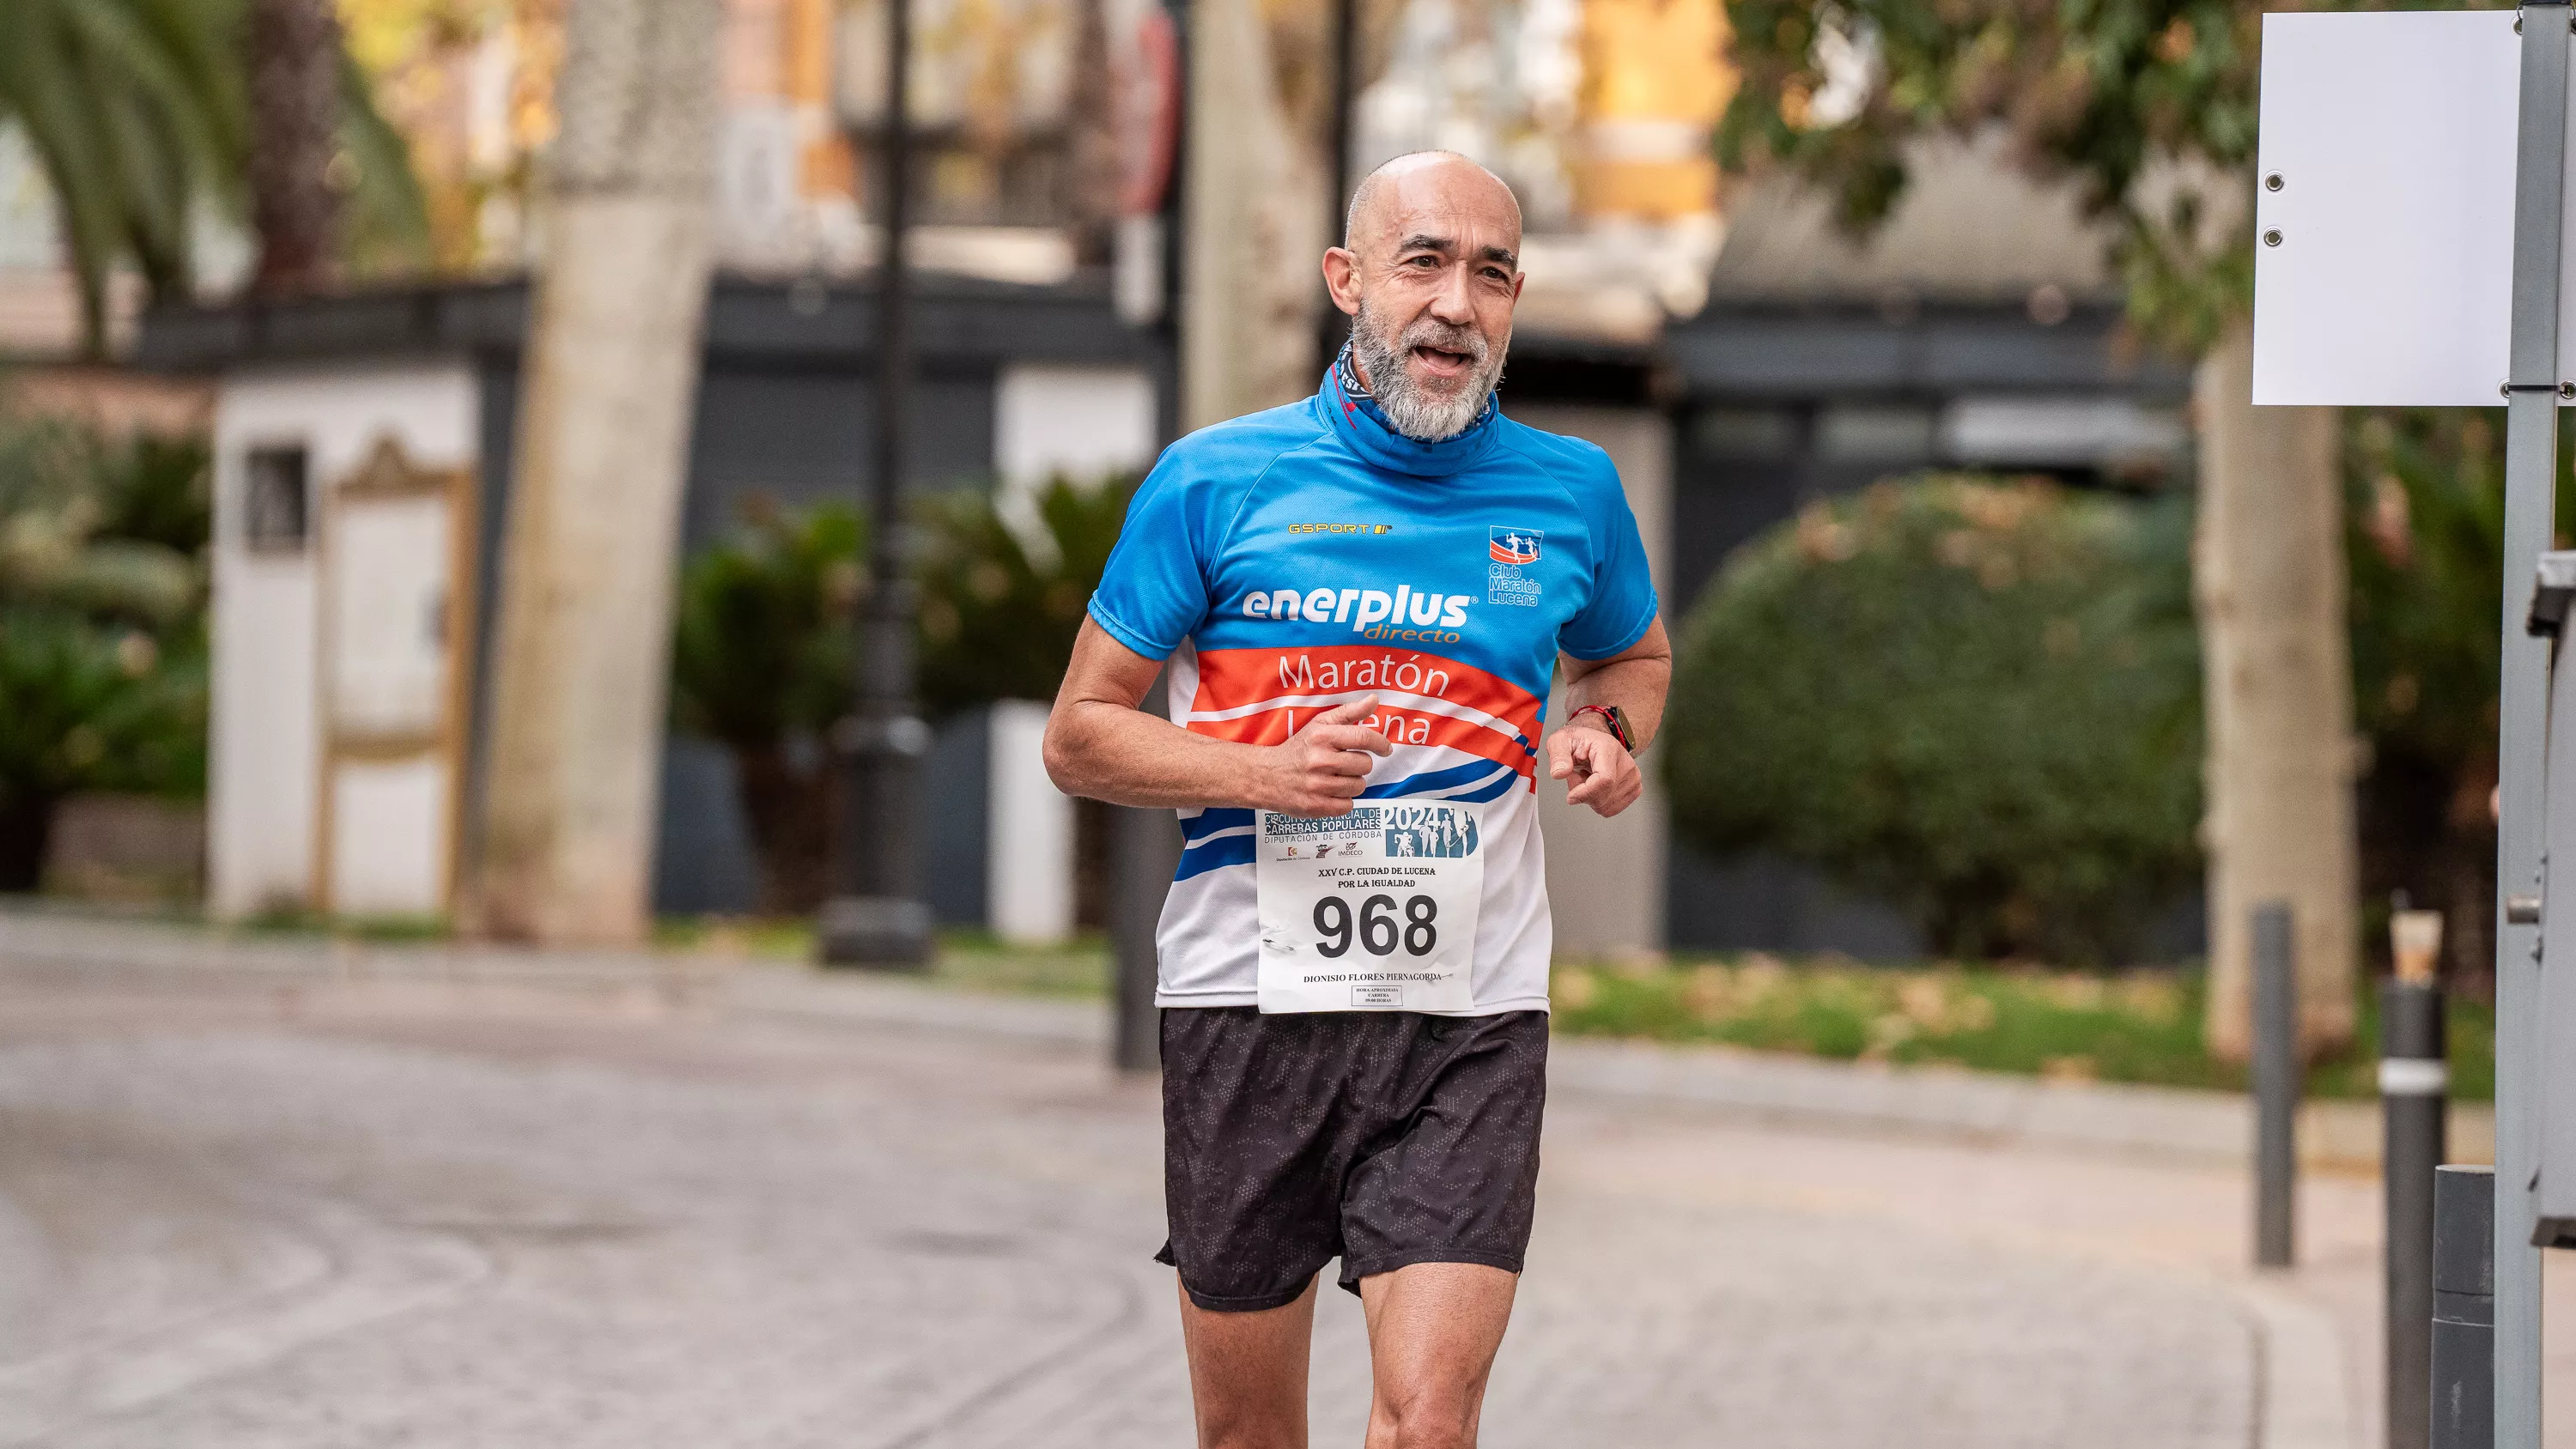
<point>1433,1331</point>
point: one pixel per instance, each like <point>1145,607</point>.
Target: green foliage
<point>135,109</point>
<point>998,622</point>
<point>1976,699</point>
<point>138,112</point>
<point>88,703</point>
<point>764,643</point>
<point>763,638</point>
<point>2424,524</point>
<point>102,627</point>
<point>2143,1027</point>
<point>2147,106</point>
<point>762,653</point>
<point>2424,516</point>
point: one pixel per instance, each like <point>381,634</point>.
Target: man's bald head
<point>1445,174</point>
<point>1429,269</point>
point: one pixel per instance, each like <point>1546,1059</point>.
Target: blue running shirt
<point>1295,559</point>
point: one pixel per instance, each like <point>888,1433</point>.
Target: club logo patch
<point>1515,545</point>
<point>1508,551</point>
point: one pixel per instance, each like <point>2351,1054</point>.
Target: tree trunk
<point>295,125</point>
<point>610,381</point>
<point>1256,228</point>
<point>2269,582</point>
<point>1091,173</point>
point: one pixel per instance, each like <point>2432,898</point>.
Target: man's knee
<point>1428,1418</point>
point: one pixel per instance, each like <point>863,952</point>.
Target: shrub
<point>1977,699</point>
<point>998,617</point>
<point>102,625</point>
<point>762,655</point>
<point>2424,518</point>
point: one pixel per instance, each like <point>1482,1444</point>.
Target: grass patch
<point>975,960</point>
<point>392,930</point>
<point>979,962</point>
<point>2137,1027</point>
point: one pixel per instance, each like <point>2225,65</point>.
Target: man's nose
<point>1454,303</point>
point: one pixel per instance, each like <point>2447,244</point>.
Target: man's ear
<point>1342,278</point>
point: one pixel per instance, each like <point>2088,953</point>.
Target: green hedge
<point>762,648</point>
<point>1975,698</point>
<point>102,624</point>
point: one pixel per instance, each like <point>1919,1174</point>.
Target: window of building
<point>276,502</point>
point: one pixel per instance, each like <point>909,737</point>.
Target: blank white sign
<point>2392,133</point>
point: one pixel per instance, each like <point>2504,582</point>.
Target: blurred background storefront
<point>1739,357</point>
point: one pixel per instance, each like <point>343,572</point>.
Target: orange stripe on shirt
<point>1231,679</point>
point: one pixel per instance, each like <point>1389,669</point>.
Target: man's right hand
<point>1322,768</point>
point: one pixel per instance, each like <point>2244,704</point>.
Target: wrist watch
<point>1613,716</point>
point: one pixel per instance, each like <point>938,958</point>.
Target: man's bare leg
<point>1248,1373</point>
<point>1433,1330</point>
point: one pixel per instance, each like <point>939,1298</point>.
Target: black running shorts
<point>1381,1138</point>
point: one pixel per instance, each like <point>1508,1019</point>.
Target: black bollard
<point>2276,1084</point>
<point>2414,1084</point>
<point>2463,1388</point>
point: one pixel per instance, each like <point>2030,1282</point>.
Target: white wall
<point>1082,422</point>
<point>265,765</point>
<point>1029,832</point>
<point>1605,878</point>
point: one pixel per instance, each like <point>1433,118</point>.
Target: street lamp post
<point>876,916</point>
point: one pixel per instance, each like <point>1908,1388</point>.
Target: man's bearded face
<point>1433,377</point>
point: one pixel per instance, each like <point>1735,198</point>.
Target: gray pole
<point>878,918</point>
<point>1146,845</point>
<point>1336,328</point>
<point>2414,1084</point>
<point>2276,1085</point>
<point>2531,465</point>
<point>2464,1304</point>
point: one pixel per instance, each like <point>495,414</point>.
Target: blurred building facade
<point>1736,355</point>
<point>362,477</point>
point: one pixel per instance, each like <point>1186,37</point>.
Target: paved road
<point>394,1213</point>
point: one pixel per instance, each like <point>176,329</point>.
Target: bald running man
<point>1362,598</point>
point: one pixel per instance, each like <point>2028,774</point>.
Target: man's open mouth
<point>1441,362</point>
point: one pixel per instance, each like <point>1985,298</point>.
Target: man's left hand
<point>1603,773</point>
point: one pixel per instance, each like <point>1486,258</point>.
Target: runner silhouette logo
<point>1439,831</point>
<point>1515,545</point>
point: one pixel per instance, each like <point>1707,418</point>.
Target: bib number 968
<point>1379,930</point>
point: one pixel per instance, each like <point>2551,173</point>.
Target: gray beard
<point>1409,410</point>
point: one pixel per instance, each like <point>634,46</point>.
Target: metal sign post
<point>2404,261</point>
<point>2531,466</point>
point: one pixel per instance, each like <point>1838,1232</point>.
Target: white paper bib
<point>1370,911</point>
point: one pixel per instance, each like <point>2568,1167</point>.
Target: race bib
<point>1370,911</point>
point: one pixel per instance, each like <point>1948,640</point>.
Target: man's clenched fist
<point>1604,773</point>
<point>1321,769</point>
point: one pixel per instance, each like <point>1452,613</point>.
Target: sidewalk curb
<point>1989,1107</point>
<point>2305,1401</point>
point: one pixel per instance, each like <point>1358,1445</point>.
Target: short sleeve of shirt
<point>1623,586</point>
<point>1154,592</point>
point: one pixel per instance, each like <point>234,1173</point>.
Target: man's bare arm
<point>1635,681</point>
<point>1099,744</point>
<point>1582,751</point>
